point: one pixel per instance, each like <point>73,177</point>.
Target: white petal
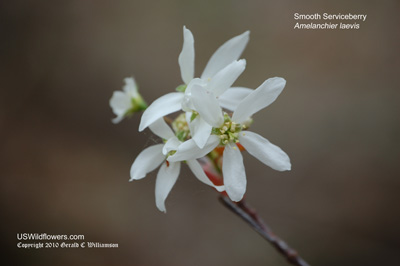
<point>234,173</point>
<point>200,131</point>
<point>164,105</point>
<point>166,178</point>
<point>130,87</point>
<point>171,145</point>
<point>120,103</point>
<point>231,98</point>
<point>265,151</point>
<point>161,129</point>
<point>187,104</point>
<point>206,104</point>
<point>189,150</point>
<point>186,57</point>
<point>188,116</point>
<point>117,119</point>
<point>260,98</point>
<point>198,171</point>
<point>148,160</point>
<point>226,54</point>
<point>224,79</point>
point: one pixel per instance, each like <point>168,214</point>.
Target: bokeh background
<point>65,166</point>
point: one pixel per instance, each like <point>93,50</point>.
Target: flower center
<point>181,127</point>
<point>228,132</point>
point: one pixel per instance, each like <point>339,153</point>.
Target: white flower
<point>151,157</point>
<point>220,72</point>
<point>228,131</point>
<point>127,101</point>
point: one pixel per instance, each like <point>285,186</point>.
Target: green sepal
<point>181,88</point>
<point>182,135</point>
<point>193,116</point>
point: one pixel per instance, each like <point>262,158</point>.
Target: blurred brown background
<point>65,166</point>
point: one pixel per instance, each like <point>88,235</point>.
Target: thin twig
<point>251,217</point>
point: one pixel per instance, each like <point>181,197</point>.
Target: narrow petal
<point>206,104</point>
<point>166,178</point>
<point>171,145</point>
<point>260,98</point>
<point>161,129</point>
<point>234,173</point>
<point>130,87</point>
<point>117,119</point>
<point>224,79</point>
<point>189,150</point>
<point>226,54</point>
<point>265,151</point>
<point>187,104</point>
<point>148,160</point>
<point>231,98</point>
<point>186,57</point>
<point>200,131</point>
<point>198,171</point>
<point>164,105</point>
<point>120,103</point>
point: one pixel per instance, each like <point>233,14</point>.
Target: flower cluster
<point>214,119</point>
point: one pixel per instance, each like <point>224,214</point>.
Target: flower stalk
<point>251,217</point>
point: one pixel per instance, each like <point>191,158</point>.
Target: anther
<point>233,126</point>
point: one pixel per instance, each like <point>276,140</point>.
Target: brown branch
<point>251,217</point>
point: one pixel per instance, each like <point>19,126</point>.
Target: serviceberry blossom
<point>127,101</point>
<point>229,131</point>
<point>153,156</point>
<point>204,128</point>
<point>221,71</point>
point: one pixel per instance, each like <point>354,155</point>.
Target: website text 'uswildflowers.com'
<point>44,240</point>
<point>44,236</point>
